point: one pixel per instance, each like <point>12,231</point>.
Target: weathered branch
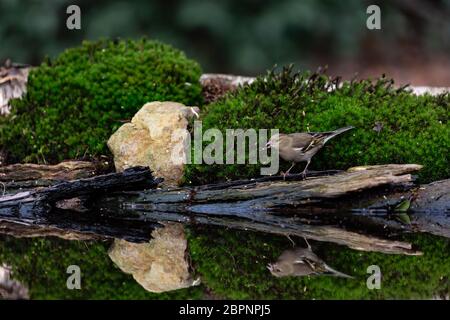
<point>28,175</point>
<point>35,212</point>
<point>296,207</point>
<point>266,206</point>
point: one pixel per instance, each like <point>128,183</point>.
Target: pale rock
<point>156,137</point>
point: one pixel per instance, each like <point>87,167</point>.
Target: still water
<point>231,264</point>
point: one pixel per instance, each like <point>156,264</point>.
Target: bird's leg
<point>307,243</point>
<point>306,168</point>
<point>290,239</point>
<point>287,172</point>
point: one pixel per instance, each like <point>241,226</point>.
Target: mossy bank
<point>391,125</point>
<point>232,264</point>
<point>75,102</point>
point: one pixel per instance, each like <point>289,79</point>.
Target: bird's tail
<point>336,132</point>
<point>335,273</point>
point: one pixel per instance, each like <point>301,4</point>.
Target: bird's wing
<point>300,140</point>
<point>302,270</point>
<point>319,139</point>
<point>307,254</point>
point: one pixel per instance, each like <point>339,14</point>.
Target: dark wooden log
<point>35,212</point>
<point>253,195</point>
<point>28,175</point>
<point>269,206</point>
<point>308,208</point>
<point>136,178</point>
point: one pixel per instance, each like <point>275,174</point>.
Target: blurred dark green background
<point>249,36</point>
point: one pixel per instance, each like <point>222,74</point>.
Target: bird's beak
<point>195,112</point>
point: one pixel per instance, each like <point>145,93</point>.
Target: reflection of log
<point>285,226</point>
<point>76,226</point>
<point>27,230</point>
<point>295,207</point>
<point>262,206</point>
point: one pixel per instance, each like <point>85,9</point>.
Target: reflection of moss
<point>232,265</point>
<point>74,103</point>
<point>42,263</point>
<point>414,129</point>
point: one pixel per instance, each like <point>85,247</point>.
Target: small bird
<point>13,81</point>
<point>302,262</point>
<point>301,147</point>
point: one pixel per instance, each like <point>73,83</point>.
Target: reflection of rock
<point>159,265</point>
<point>155,131</point>
<point>9,288</point>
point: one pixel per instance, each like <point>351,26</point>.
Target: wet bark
<point>38,212</point>
<point>270,205</point>
<point>28,175</point>
<point>350,208</point>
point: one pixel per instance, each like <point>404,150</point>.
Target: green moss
<point>77,101</point>
<point>414,128</point>
<point>41,264</point>
<point>233,265</point>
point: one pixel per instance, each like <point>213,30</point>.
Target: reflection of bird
<point>13,80</point>
<point>302,262</point>
<point>299,147</point>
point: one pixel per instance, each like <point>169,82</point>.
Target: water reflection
<point>159,265</point>
<point>231,264</point>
